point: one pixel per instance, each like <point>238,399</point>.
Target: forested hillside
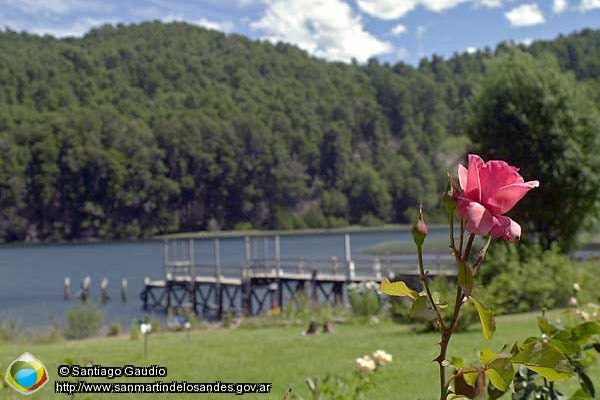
<point>141,129</point>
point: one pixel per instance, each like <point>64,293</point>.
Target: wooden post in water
<point>279,272</point>
<point>104,296</point>
<point>124,286</point>
<point>377,268</point>
<point>218,293</point>
<point>349,262</point>
<point>246,291</point>
<point>192,284</point>
<point>165,256</point>
<point>266,252</point>
<point>247,255</point>
<point>67,291</point>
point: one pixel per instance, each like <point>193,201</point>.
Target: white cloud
<point>224,26</point>
<point>560,6</point>
<point>525,15</point>
<point>526,41</point>
<point>394,9</point>
<point>325,28</point>
<point>47,7</point>
<point>471,50</point>
<point>587,5</point>
<point>398,30</point>
<point>490,3</point>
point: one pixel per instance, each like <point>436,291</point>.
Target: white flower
<point>145,328</point>
<point>187,325</point>
<point>576,287</point>
<point>573,302</point>
<point>382,357</point>
<point>365,364</point>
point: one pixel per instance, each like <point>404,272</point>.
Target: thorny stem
<point>447,332</point>
<point>425,280</point>
<point>442,325</point>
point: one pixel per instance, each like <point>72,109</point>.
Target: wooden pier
<point>265,281</point>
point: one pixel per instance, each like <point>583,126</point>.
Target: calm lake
<point>31,286</point>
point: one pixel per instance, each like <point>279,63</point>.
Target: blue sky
<point>391,30</point>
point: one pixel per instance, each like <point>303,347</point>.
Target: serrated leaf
<point>465,278</point>
<point>488,321</point>
<point>544,358</point>
<point>399,289</point>
<point>500,373</point>
<point>420,309</point>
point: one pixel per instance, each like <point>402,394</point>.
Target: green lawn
<point>279,355</point>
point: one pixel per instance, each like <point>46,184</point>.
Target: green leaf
<point>488,321</point>
<point>583,332</point>
<point>544,358</point>
<point>500,373</point>
<point>397,289</point>
<point>587,384</point>
<point>458,362</point>
<point>580,395</point>
<point>470,378</point>
<point>465,278</point>
<point>440,303</point>
<point>547,327</point>
<point>421,309</point>
<point>487,356</point>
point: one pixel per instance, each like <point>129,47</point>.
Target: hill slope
<point>140,129</point>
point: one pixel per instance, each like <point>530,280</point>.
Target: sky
<point>337,30</point>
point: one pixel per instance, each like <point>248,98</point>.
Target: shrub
<point>370,220</point>
<point>364,299</point>
<point>527,279</point>
<point>83,321</point>
<point>134,332</point>
<point>114,329</point>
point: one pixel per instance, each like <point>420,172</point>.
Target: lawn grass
<point>280,355</point>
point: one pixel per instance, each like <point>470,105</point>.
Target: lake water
<point>31,284</point>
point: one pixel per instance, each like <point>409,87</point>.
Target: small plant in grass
<point>83,321</point>
<point>344,387</point>
<point>114,329</point>
<point>364,300</point>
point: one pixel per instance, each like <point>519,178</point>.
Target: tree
<point>530,114</point>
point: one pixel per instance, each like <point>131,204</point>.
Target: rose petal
<point>479,219</point>
<point>494,175</point>
<point>473,187</point>
<point>462,177</point>
<point>505,198</point>
<point>506,228</point>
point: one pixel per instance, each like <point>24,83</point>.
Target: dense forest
<point>142,129</point>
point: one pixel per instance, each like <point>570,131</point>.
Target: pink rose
<point>490,190</point>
